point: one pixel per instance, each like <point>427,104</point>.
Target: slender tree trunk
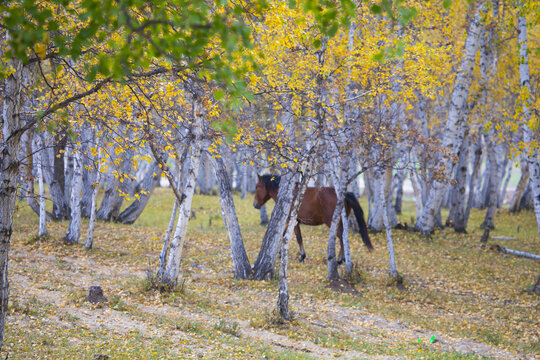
<point>528,137</point>
<point>369,190</point>
<point>375,218</point>
<point>417,192</point>
<point>382,177</point>
<point>89,178</point>
<point>332,258</point>
<point>28,177</point>
<point>93,208</point>
<point>172,271</point>
<point>242,267</point>
<point>300,183</point>
<point>263,215</point>
<point>42,212</point>
<point>453,135</point>
<point>400,178</point>
<point>263,269</point>
<point>166,238</point>
<point>206,175</point>
<point>388,228</point>
<point>345,238</point>
<point>460,222</point>
<point>180,167</point>
<point>244,180</point>
<point>52,159</point>
<point>93,204</point>
<point>74,231</point>
<point>494,181</point>
<point>9,170</point>
<point>68,170</point>
<point>457,200</point>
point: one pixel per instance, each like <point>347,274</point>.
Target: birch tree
<point>172,271</point>
<point>41,186</point>
<point>9,168</point>
<point>74,231</point>
<point>242,267</point>
<point>453,134</point>
<point>300,182</point>
<point>528,137</point>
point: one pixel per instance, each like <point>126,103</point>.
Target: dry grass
<point>454,288</point>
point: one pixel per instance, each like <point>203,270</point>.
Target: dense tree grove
<point>117,95</point>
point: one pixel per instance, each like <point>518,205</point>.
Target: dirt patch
<point>342,286</point>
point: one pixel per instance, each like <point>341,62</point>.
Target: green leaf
<point>379,57</point>
<point>376,9</point>
<point>219,94</point>
<point>333,29</point>
<point>446,4</point>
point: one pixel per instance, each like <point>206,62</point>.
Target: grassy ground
<point>472,299</point>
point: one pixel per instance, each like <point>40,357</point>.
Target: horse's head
<point>261,194</point>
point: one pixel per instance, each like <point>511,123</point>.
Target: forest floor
<point>472,300</point>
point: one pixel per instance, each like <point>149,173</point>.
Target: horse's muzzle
<point>256,205</point>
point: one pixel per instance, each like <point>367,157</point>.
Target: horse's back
<point>317,205</point>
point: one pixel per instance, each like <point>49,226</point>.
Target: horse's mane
<point>271,182</point>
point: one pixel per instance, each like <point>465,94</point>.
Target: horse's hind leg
<point>341,257</point>
<point>300,243</point>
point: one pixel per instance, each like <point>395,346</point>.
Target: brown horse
<point>317,208</point>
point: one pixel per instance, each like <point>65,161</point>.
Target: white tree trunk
<point>336,217</point>
<point>263,269</point>
<point>180,172</point>
<point>42,212</point>
<point>345,238</point>
<point>340,164</point>
<point>242,268</point>
<point>172,271</point>
<point>9,170</point>
<point>283,293</point>
<point>74,231</point>
<point>417,192</point>
<point>453,134</point>
<point>93,206</point>
<point>528,136</point>
<point>384,201</point>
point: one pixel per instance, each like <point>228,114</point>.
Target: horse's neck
<point>273,194</point>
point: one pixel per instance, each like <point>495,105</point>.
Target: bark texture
<point>74,231</point>
<point>242,267</point>
<point>454,130</point>
<point>263,269</point>
<point>283,294</point>
<point>9,170</point>
<point>528,136</point>
<point>172,271</point>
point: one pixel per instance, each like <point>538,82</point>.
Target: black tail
<point>351,200</point>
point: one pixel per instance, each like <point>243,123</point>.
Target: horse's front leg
<point>300,243</point>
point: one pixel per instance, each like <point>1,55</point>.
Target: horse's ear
<point>259,176</point>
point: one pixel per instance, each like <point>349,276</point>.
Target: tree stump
<point>95,295</point>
